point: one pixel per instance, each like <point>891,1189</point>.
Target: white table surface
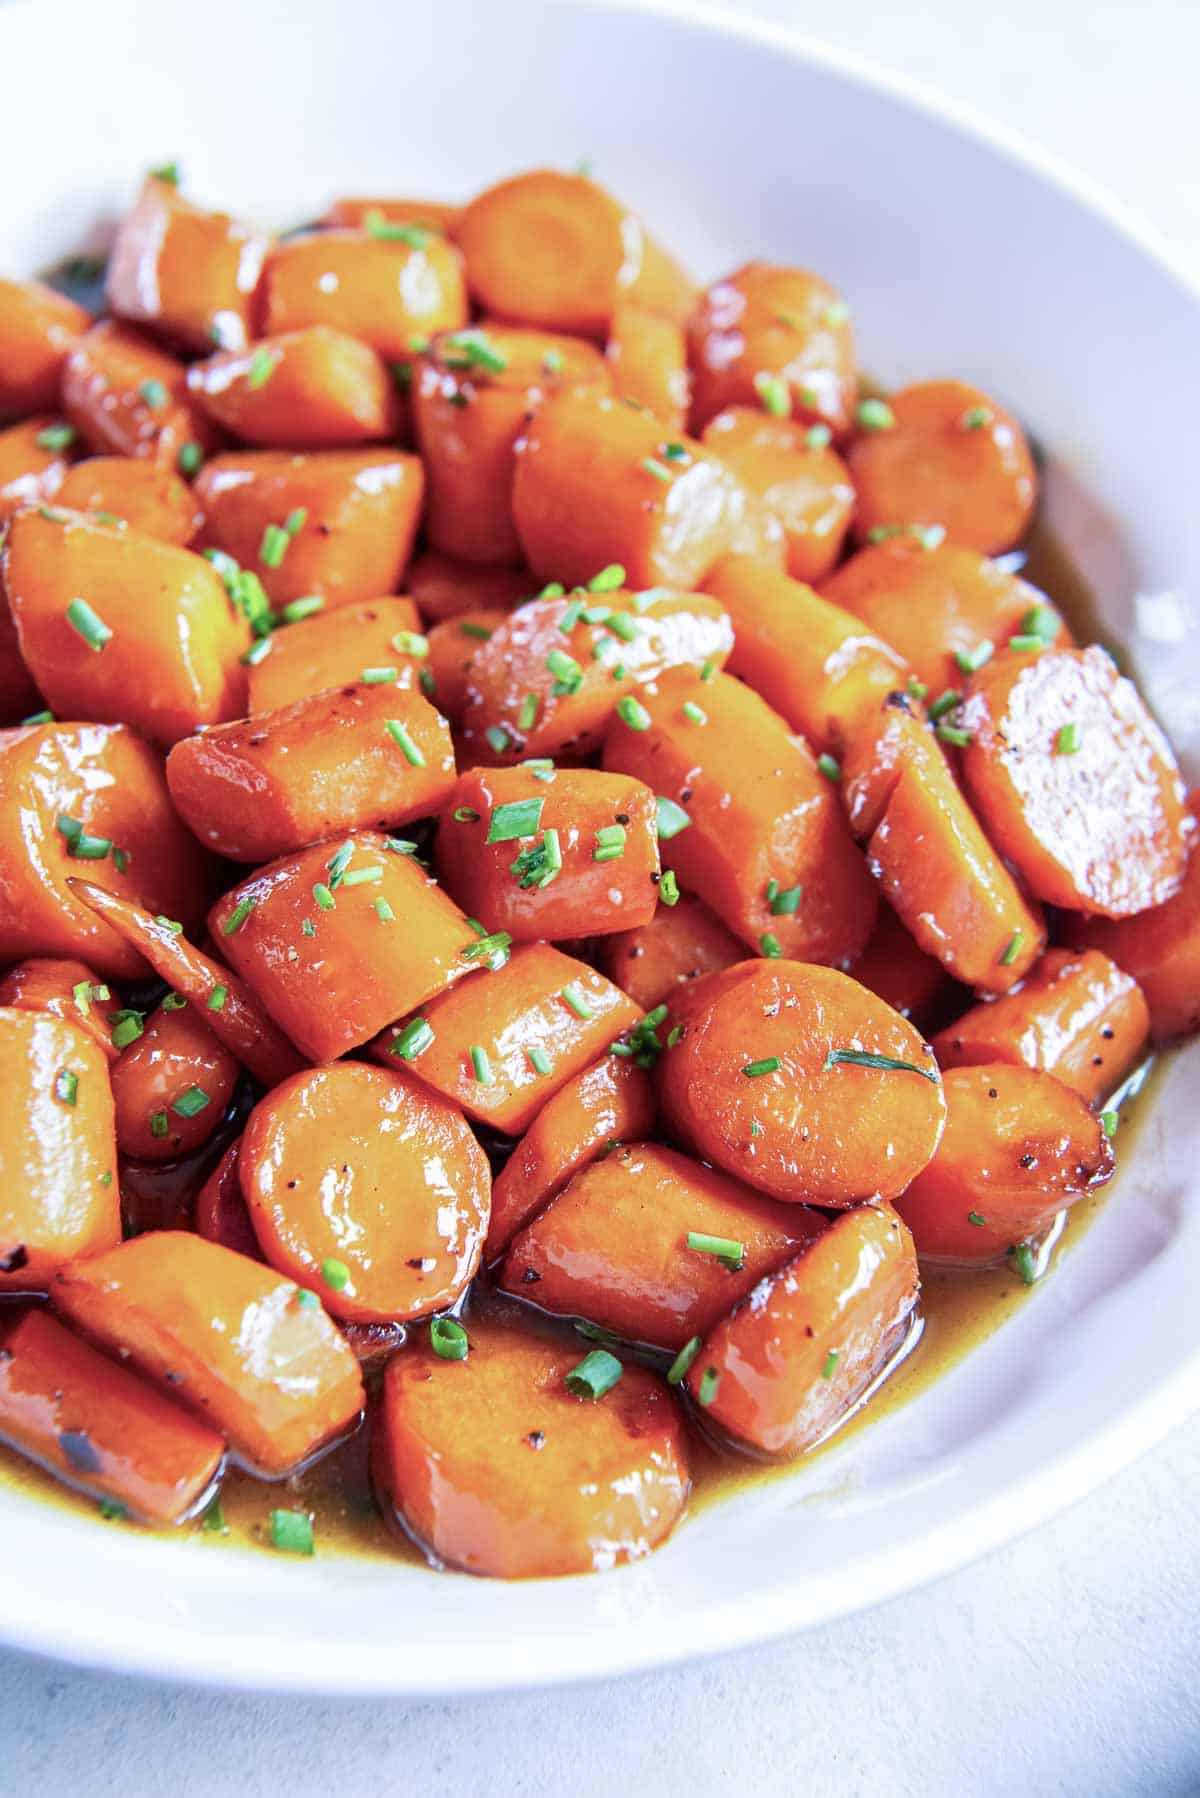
<point>1066,1664</point>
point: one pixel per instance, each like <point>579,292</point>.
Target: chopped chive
<point>81,992</point>
<point>836,313</point>
<point>238,916</point>
<point>307,927</point>
<point>66,1086</point>
<point>256,653</point>
<point>975,417</point>
<point>399,734</point>
<point>972,660</point>
<point>39,718</point>
<point>448,1339</point>
<point>1069,738</point>
<point>481,1066</point>
<point>539,1061</point>
<point>954,733</point>
<point>379,677</point>
<point>171,924</point>
<point>608,579</point>
<point>671,818</point>
<point>361,877</point>
<point>566,670</point>
<point>111,1511</point>
<point>874,415</point>
<point>191,1103</point>
<point>167,172</point>
<point>693,713</point>
<point>830,767</point>
<point>337,864</point>
<point>553,853</point>
<point>830,1367</point>
<point>541,767</point>
<point>474,349</point>
<point>658,469</point>
<point>401,845</point>
<point>770,946</point>
<point>127,1028</point>
<point>610,843</point>
<point>384,912</point>
<point>412,1041</point>
<point>668,888</point>
<point>1025,642</point>
<point>292,1532</point>
<point>189,459</point>
<point>492,947</point>
<point>56,437</point>
<point>480,632</point>
<point>710,1380</point>
<point>573,996</point>
<point>498,738</point>
<point>888,1064</point>
<point>633,713</point>
<point>173,1001</point>
<point>411,643</point>
<point>89,624</point>
<point>1024,1262</point>
<point>213,1521</point>
<point>416,237</point>
<point>1042,621</point>
<point>90,849</point>
<point>552,362</point>
<point>121,860</point>
<point>262,367</point>
<point>418,343</point>
<point>729,1253</point>
<point>571,617</point>
<point>155,395</point>
<point>601,648</point>
<point>818,437</point>
<point>427,683</point>
<point>1012,948</point>
<point>977,1218</point>
<point>159,1123</point>
<point>296,520</point>
<point>517,818</point>
<point>527,716</point>
<point>707,670</point>
<point>682,1361</point>
<point>217,998</point>
<point>552,590</point>
<point>624,627</point>
<point>465,814</point>
<point>785,902</point>
<point>335,1274</point>
<point>945,702</point>
<point>772,390</point>
<point>1109,1121</point>
<point>595,1375</point>
<point>273,546</point>
<point>323,896</point>
<point>770,1064</point>
<point>916,689</point>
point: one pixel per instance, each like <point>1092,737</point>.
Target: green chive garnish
<point>296,610</point>
<point>517,818</point>
<point>668,888</point>
<point>384,912</point>
<point>658,469</point>
<point>1042,621</point>
<point>379,677</point>
<point>769,945</point>
<point>89,624</point>
<point>361,877</point>
<point>256,653</point>
<point>127,1027</point>
<point>874,415</point>
<point>217,998</point>
<point>633,713</point>
<point>191,1103</point>
<point>399,734</point>
<point>595,1375</point>
<point>608,579</point>
<point>481,1066</point>
<point>975,417</point>
<point>785,901</point>
<point>818,437</point>
<point>159,1123</point>
<point>448,1339</point>
<point>1024,1262</point>
<point>1012,948</point>
<point>772,390</point>
<point>323,896</point>
<point>830,1367</point>
<point>155,395</point>
<point>683,1360</point>
<point>412,1041</point>
<point>972,660</point>
<point>671,818</point>
<point>66,1086</point>
<point>1109,1121</point>
<point>1069,738</point>
<point>56,437</point>
<point>830,767</point>
<point>770,1064</point>
<point>574,998</point>
<point>262,367</point>
<point>539,1061</point>
<point>292,1532</point>
<point>693,713</point>
<point>861,1058</point>
<point>273,547</point>
<point>710,1379</point>
<point>945,702</point>
<point>977,1218</point>
<point>954,733</point>
<point>238,916</point>
<point>527,716</point>
<point>335,1274</point>
<point>189,459</point>
<point>729,1253</point>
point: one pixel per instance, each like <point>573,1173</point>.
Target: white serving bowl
<point>961,254</point>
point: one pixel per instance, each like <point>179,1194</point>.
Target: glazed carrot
<point>791,469</point>
<point>472,394</point>
<point>1077,1016</point>
<point>1018,1147</point>
<point>163,668</point>
<point>342,760</point>
<point>452,646</point>
<point>1074,782</point>
<point>58,1154</point>
<point>269,1371</point>
<point>367,1188</point>
<point>63,989</point>
<point>172,1085</point>
<point>430,215</point>
<point>384,286</point>
<point>784,1370</point>
<point>237,1020</point>
<point>935,866</point>
<point>443,587</point>
<point>598,481</point>
<point>896,970</point>
<point>550,853</point>
<point>221,1214</point>
<point>38,328</point>
<point>614,643</point>
<point>775,337</point>
<point>942,452</point>
<point>629,1244</point>
<point>336,524</point>
<point>746,816</point>
<point>810,660</point>
<point>105,780</point>
<point>845,1094</point>
<point>557,251</point>
<point>331,649</point>
<point>647,353</point>
<point>143,495</point>
<point>32,468</point>
<point>1159,948</point>
<point>373,950</point>
<point>502,1046</point>
<point>496,1467</point>
<point>98,1427</point>
<point>190,274</point>
<point>314,387</point>
<point>945,609</point>
<point>680,942</point>
<point>128,397</point>
<point>610,1102</point>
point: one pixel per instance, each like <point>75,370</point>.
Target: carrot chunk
<point>775,337</point>
<point>799,479</point>
<point>171,1086</point>
<point>38,328</point>
<point>189,273</point>
<point>680,942</point>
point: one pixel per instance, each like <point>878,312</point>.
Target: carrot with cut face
<point>943,453</point>
<point>58,1152</point>
<point>557,251</point>
<point>336,525</point>
<point>1077,1016</point>
<point>171,1085</point>
<point>34,458</point>
<point>612,1101</point>
<point>38,328</point>
<point>334,649</point>
<point>810,660</point>
<point>746,817</point>
<point>164,668</point>
<point>1019,1147</point>
<point>647,353</point>
<point>443,587</point>
<point>495,1466</point>
<point>98,1427</point>
<point>680,942</point>
<point>598,481</point>
<point>548,679</point>
<point>550,853</point>
<point>89,799</point>
<point>801,1082</point>
<point>316,387</point>
<point>146,496</point>
<point>776,337</point>
<point>61,988</point>
<point>937,869</point>
<point>897,971</point>
<point>332,961</point>
<point>383,285</point>
<point>798,478</point>
<point>788,1365</point>
<point>653,1246</point>
<point>190,274</point>
<point>220,998</point>
<point>368,1188</point>
<point>127,397</point>
<point>473,393</point>
<point>452,646</point>
<point>1074,782</point>
<point>501,1046</point>
<point>342,760</point>
<point>266,1368</point>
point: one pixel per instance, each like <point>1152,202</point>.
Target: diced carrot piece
<point>791,469</point>
<point>777,336</point>
<point>314,387</point>
<point>452,646</point>
<point>128,397</point>
<point>331,649</point>
<point>443,587</point>
<point>189,273</point>
<point>147,497</point>
<point>171,1086</point>
<point>647,352</point>
<point>38,328</point>
<point>63,989</point>
<point>384,288</point>
<point>680,942</point>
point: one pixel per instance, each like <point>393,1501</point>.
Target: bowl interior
<point>958,258</point>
